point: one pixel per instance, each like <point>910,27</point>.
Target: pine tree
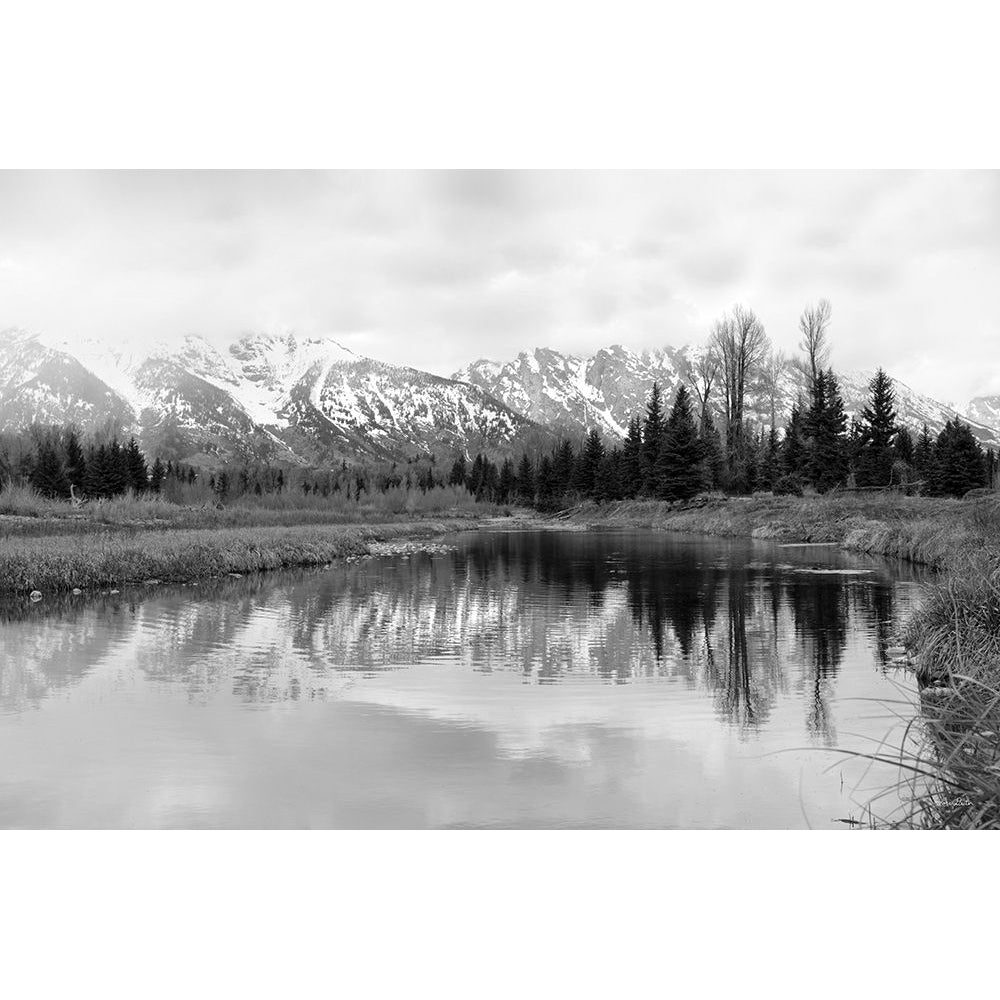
<point>770,468</point>
<point>923,459</point>
<point>563,467</point>
<point>958,464</point>
<point>157,476</point>
<point>138,473</point>
<point>878,427</point>
<point>794,454</point>
<point>714,457</point>
<point>506,482</point>
<point>607,483</point>
<point>589,463</point>
<point>679,471</point>
<point>458,472</point>
<point>632,477</point>
<point>76,462</point>
<point>475,481</point>
<point>652,441</point>
<point>992,468</point>
<point>116,471</point>
<point>826,425</point>
<point>525,481</point>
<point>545,484</point>
<point>903,446</point>
<point>47,474</point>
<point>96,470</point>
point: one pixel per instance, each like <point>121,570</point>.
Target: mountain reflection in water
<point>739,627</point>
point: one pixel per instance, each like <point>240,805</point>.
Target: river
<point>503,679</point>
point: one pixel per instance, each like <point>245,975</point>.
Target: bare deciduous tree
<point>740,343</point>
<point>702,376</point>
<point>814,324</point>
<point>771,370</point>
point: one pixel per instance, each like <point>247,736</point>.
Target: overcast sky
<point>437,269</point>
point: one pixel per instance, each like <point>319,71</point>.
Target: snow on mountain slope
<point>266,397</point>
<point>40,383</point>
<point>985,410</point>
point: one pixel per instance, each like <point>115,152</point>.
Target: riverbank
<point>98,561</point>
<point>921,529</point>
<point>953,642</point>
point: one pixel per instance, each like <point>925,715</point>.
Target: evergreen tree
<point>458,472</point>
<point>770,467</point>
<point>794,453</point>
<point>826,425</point>
<point>608,482</point>
<point>589,463</point>
<point>135,462</point>
<point>116,472</point>
<point>903,446</point>
<point>713,454</point>
<point>506,482</point>
<point>632,477</point>
<point>878,427</point>
<point>525,481</point>
<point>475,483</point>
<point>563,467</point>
<point>159,474</point>
<point>652,440</point>
<point>76,462</point>
<point>47,473</point>
<point>958,464</point>
<point>546,490</point>
<point>96,472</point>
<point>679,474</point>
<point>923,459</point>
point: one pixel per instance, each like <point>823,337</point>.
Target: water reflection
<point>741,622</point>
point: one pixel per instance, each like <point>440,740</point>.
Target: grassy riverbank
<point>114,559</point>
<point>921,529</point>
<point>23,512</point>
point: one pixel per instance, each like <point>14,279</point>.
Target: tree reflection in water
<point>737,620</point>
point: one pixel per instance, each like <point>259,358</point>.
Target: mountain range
<point>310,400</point>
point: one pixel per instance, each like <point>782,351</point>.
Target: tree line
<point>705,444</point>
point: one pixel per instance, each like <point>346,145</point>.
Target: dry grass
<point>24,512</point>
<point>95,561</point>
<point>921,529</point>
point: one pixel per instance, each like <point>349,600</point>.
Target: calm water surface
<point>525,679</point>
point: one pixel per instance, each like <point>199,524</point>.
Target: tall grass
<point>29,513</point>
<point>113,559</point>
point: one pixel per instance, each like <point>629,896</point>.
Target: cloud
<point>433,269</point>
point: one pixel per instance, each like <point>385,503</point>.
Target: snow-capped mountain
<point>266,396</point>
<point>574,394</point>
<point>311,400</point>
<point>984,410</point>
